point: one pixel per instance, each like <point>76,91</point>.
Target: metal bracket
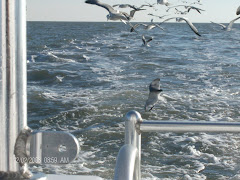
<point>45,147</point>
<point>51,147</point>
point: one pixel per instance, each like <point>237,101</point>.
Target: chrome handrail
<point>125,168</point>
<point>189,126</point>
<point>134,126</point>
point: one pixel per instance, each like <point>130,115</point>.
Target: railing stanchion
<point>133,137</point>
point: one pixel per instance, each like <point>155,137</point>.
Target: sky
<point>77,10</point>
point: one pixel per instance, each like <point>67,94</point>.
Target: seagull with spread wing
<point>229,26</point>
<point>113,14</point>
<point>179,19</point>
<point>146,41</point>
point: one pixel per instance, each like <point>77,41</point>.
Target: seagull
<point>154,91</point>
<point>146,41</point>
<point>178,19</point>
<point>149,5</point>
<point>188,7</point>
<point>147,26</point>
<point>197,9</point>
<point>229,27</point>
<point>238,10</point>
<point>163,2</point>
<point>132,12</point>
<point>113,14</point>
<point>181,12</point>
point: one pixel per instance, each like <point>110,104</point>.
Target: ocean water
<point>83,77</point>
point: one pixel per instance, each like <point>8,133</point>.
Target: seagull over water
<point>113,14</point>
<point>179,19</point>
<point>229,26</point>
<point>146,41</point>
<point>154,92</point>
<point>147,26</point>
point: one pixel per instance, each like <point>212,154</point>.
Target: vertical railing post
<point>133,137</point>
<point>13,94</point>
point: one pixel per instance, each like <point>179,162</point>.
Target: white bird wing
<point>190,25</point>
<point>151,101</point>
<point>150,26</point>
<point>143,39</point>
<point>159,27</point>
<point>229,27</point>
<point>166,20</point>
<point>238,10</point>
<point>222,25</point>
<point>103,5</point>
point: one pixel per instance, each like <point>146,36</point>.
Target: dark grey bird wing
<point>134,27</point>
<point>167,20</point>
<point>132,12</point>
<point>195,8</point>
<point>150,39</point>
<point>155,85</point>
<point>122,5</point>
<point>238,11</point>
<point>98,3</point>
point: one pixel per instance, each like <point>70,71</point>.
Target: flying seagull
<point>147,26</point>
<point>188,7</point>
<point>149,5</point>
<point>181,12</point>
<point>229,26</point>
<point>132,12</point>
<point>146,41</point>
<point>113,14</point>
<point>178,19</point>
<point>195,8</point>
<point>238,10</point>
<point>154,91</point>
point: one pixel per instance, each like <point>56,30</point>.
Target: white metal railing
<point>13,57</point>
<point>21,145</point>
<point>126,161</point>
<point>134,126</point>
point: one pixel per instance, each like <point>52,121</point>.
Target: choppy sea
<point>83,77</point>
